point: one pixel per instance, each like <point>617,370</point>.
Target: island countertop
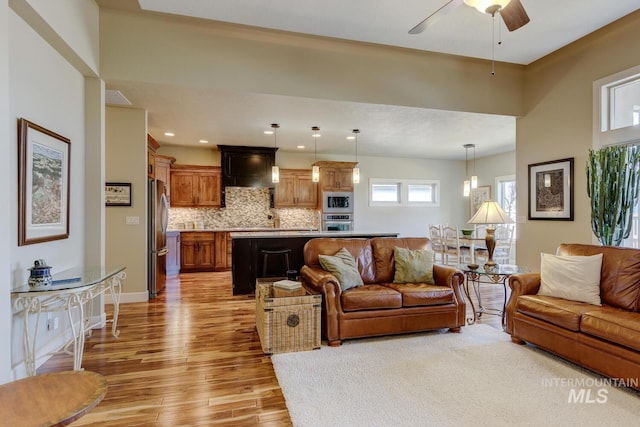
<point>309,233</point>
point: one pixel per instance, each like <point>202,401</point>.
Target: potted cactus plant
<point>612,185</point>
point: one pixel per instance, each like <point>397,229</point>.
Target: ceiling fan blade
<point>435,16</point>
<point>514,15</point>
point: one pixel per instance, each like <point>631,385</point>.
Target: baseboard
<point>128,297</point>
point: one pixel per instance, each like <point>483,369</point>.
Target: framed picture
<point>551,190</point>
<point>478,196</point>
<point>43,184</point>
<point>117,194</point>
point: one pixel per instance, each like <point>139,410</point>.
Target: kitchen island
<point>248,259</point>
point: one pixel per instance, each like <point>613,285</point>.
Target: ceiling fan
<point>512,12</point>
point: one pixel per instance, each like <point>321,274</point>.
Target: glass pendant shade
<point>483,5</point>
<point>356,175</point>
<point>315,174</point>
<point>275,174</point>
<point>467,188</point>
<point>275,170</point>
<point>474,181</point>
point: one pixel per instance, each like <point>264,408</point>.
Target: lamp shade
<point>483,5</point>
<point>490,212</point>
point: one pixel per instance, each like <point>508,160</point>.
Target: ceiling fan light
<point>484,6</point>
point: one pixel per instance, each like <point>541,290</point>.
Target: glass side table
<point>497,275</point>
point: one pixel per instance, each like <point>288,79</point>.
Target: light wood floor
<point>191,357</point>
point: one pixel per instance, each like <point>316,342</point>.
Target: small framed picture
<point>117,194</point>
<point>478,196</point>
<point>551,190</point>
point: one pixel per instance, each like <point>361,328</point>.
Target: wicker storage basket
<point>286,321</point>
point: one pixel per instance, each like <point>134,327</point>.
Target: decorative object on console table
<point>43,184</point>
<point>286,320</point>
<point>117,194</point>
<point>551,190</point>
<point>490,213</point>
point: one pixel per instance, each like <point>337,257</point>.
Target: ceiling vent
<point>115,97</point>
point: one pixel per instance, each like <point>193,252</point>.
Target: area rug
<point>476,378</point>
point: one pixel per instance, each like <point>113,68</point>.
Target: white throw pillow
<point>575,278</point>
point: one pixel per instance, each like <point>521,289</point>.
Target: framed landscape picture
<point>43,184</point>
<point>551,190</point>
<point>117,194</point>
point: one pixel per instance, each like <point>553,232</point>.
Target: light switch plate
<point>133,220</point>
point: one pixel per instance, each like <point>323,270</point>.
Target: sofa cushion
<point>360,248</point>
<point>421,294</point>
<point>560,312</point>
<point>413,266</point>
<point>383,248</point>
<point>575,278</point>
<point>343,266</point>
<point>370,297</point>
<point>620,279</point>
<point>613,324</point>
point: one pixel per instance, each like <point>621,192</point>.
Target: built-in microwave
<point>337,201</point>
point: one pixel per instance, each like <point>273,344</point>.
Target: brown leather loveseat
<point>381,307</point>
<point>605,338</point>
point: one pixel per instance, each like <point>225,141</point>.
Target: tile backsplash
<point>246,207</point>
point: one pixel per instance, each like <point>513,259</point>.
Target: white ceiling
<point>385,130</point>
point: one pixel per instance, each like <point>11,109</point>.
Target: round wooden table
<point>54,399</point>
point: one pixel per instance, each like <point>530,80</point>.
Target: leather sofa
<point>606,338</point>
<point>381,307</point>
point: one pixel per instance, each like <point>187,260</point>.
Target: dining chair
<point>435,235</point>
<point>504,242</point>
<point>454,253</point>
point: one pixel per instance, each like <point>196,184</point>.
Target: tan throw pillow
<point>413,266</point>
<point>575,278</point>
<point>344,267</point>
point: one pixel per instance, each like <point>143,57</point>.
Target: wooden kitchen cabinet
<point>195,186</point>
<point>296,189</point>
<point>152,146</point>
<point>221,251</point>
<point>173,254</point>
<point>163,168</point>
<point>336,176</point>
<point>197,251</point>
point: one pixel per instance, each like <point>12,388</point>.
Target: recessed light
<point>203,141</point>
<point>169,134</point>
<point>301,147</point>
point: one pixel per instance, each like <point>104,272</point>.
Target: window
<point>408,192</point>
<point>506,194</point>
<point>616,107</point>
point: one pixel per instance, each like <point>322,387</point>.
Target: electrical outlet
<point>53,323</point>
<point>133,220</point>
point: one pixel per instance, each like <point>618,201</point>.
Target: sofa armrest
<point>449,276</point>
<point>520,284</point>
<point>326,284</point>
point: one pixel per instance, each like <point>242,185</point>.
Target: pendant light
<point>474,177</point>
<point>356,169</point>
<point>466,190</point>
<point>275,170</point>
<point>315,170</point>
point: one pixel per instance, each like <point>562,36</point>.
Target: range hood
<point>246,167</point>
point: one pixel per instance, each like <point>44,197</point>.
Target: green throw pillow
<point>344,267</point>
<point>413,266</point>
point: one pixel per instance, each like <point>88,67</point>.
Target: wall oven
<point>337,222</point>
<point>337,202</point>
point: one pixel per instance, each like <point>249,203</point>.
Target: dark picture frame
<point>117,194</point>
<point>551,190</point>
<point>44,169</point>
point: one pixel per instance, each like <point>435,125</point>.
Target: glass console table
<point>497,275</point>
<point>71,291</point>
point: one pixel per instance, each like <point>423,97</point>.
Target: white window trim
<point>404,192</point>
<point>602,138</point>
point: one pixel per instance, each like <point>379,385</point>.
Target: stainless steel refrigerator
<point>158,219</point>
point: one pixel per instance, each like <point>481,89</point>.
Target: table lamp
<point>490,213</point>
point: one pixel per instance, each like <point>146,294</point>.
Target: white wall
<point>5,194</point>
